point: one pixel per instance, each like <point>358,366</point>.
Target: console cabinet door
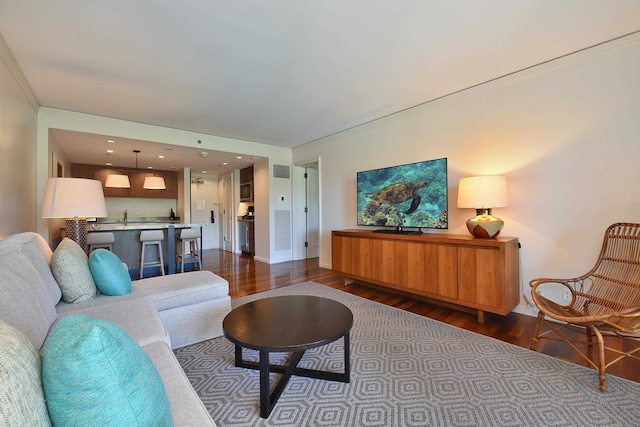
<point>479,277</point>
<point>441,270</point>
<point>352,256</point>
<point>410,271</point>
<point>384,254</point>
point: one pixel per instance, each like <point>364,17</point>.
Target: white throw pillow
<point>70,267</point>
<point>21,395</point>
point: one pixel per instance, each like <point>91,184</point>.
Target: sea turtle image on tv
<point>398,193</point>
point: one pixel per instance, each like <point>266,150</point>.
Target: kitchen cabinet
<point>246,184</point>
<point>479,275</point>
<point>136,178</point>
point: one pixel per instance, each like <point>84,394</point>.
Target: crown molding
<point>16,72</point>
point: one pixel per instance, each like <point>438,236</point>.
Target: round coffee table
<point>291,324</point>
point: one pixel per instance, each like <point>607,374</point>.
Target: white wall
<point>566,134</point>
<point>272,195</point>
<point>18,125</point>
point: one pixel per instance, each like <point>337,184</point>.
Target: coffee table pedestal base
<point>269,398</point>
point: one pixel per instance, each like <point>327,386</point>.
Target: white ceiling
<point>286,72</point>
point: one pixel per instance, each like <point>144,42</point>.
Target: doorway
<point>204,209</point>
<point>312,210</point>
<point>227,212</point>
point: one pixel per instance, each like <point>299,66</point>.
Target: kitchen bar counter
<point>128,247</point>
<point>119,226</point>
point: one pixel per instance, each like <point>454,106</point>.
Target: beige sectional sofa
<point>160,314</point>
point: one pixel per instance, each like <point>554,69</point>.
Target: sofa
<point>159,314</point>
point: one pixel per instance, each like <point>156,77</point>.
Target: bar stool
<point>151,237</point>
<point>189,249</point>
<point>100,240</point>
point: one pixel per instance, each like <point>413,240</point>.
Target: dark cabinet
<point>246,184</point>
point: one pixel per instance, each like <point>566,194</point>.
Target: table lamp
<point>483,193</point>
<point>74,199</point>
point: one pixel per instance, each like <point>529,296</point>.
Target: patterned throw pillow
<point>109,274</point>
<point>21,395</point>
<point>70,267</point>
<point>94,373</point>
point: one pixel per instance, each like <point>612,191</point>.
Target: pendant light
<point>117,181</point>
<point>154,183</point>
<point>151,182</point>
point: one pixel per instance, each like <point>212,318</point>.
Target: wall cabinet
<point>246,184</point>
<point>136,178</point>
<point>468,273</point>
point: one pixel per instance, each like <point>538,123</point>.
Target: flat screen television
<point>412,196</point>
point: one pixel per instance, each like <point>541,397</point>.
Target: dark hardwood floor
<point>247,277</point>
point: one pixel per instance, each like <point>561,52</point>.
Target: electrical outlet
<point>566,295</point>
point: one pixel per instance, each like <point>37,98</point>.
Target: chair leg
<point>195,251</point>
<point>536,331</point>
<point>161,258</point>
<point>601,362</point>
<point>142,261</point>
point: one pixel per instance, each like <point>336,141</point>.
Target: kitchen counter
<point>119,226</point>
<point>128,247</point>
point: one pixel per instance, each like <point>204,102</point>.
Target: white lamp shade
<point>154,183</point>
<point>117,181</point>
<point>482,192</point>
<point>73,197</point>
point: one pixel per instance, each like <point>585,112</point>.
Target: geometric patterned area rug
<point>409,370</point>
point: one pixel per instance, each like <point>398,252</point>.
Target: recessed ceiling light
<point>109,151</point>
<point>149,167</point>
<point>238,157</point>
<point>108,164</point>
<point>161,156</point>
<point>111,141</point>
<point>225,163</point>
<point>204,154</point>
<point>204,171</point>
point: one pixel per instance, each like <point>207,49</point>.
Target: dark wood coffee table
<point>291,324</point>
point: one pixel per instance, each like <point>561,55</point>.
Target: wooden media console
<point>457,270</point>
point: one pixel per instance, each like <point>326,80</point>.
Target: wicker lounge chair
<point>604,302</point>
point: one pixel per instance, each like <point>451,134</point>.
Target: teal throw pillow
<point>110,275</point>
<point>94,373</point>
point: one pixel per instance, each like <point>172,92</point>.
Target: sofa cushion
<point>179,290</point>
<point>24,301</point>
<point>70,267</point>
<point>95,374</point>
<point>186,407</point>
<point>109,274</point>
<point>137,317</point>
<point>21,395</point>
<point>38,252</point>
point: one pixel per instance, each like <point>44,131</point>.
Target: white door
<point>226,201</point>
<point>204,210</point>
<point>312,209</point>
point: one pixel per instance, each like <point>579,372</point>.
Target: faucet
<point>125,217</point>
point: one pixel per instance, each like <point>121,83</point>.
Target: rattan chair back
<point>606,299</point>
